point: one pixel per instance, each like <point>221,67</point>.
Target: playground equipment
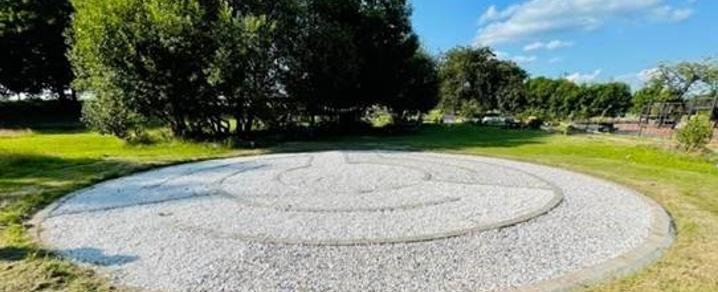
<point>670,114</point>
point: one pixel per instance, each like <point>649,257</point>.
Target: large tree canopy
<point>195,63</point>
<point>474,76</point>
<point>33,47</point>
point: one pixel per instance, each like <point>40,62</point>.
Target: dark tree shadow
<point>37,180</point>
<point>425,138</point>
<point>13,253</point>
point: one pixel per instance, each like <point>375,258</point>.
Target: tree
<point>609,99</point>
<point>325,65</point>
<point>352,55</point>
<point>651,93</point>
<point>420,90</point>
<point>33,47</point>
<point>511,93</point>
<point>464,77</point>
<point>475,76</point>
<point>562,98</point>
<point>251,52</point>
<point>195,63</point>
<point>687,79</point>
<point>151,55</point>
<point>566,100</point>
<point>539,95</point>
<point>388,49</point>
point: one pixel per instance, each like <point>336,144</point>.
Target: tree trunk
<point>248,124</point>
<point>240,126</point>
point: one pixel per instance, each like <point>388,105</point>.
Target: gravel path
<point>354,221</point>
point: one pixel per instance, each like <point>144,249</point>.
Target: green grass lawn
<point>37,168</point>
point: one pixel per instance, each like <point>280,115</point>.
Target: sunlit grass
<point>39,167</point>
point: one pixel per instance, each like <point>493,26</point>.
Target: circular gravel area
<point>356,221</point>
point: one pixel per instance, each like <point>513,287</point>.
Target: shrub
<point>378,116</point>
<point>533,122</point>
<point>566,128</point>
<point>435,116</point>
<point>696,133</point>
<point>109,116</point>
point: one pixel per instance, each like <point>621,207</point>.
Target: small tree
<point>154,52</point>
<point>696,133</point>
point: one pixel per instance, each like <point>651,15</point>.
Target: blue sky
<point>583,40</point>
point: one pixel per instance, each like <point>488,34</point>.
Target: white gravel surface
<point>347,221</point>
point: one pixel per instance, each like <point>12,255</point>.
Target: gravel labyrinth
<point>356,221</point>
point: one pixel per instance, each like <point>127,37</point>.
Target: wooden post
<point>646,109</point>
<point>714,109</point>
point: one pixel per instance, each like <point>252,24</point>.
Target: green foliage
<point>33,47</point>
<point>153,53</point>
<point>696,133</point>
<point>608,99</point>
<point>651,93</point>
<point>435,116</point>
<point>563,99</point>
<point>474,79</point>
<point>379,117</point>
<point>351,55</point>
<point>109,116</point>
<point>533,122</point>
<point>246,67</point>
<point>470,109</point>
<point>679,82</point>
<point>685,79</point>
<point>195,64</point>
<point>565,128</point>
<point>327,60</point>
<point>419,89</point>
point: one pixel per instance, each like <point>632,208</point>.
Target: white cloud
<point>647,74</point>
<point>583,78</point>
<point>519,59</point>
<point>670,14</point>
<point>492,14</point>
<point>552,45</point>
<point>555,60</point>
<point>638,79</point>
<point>534,18</point>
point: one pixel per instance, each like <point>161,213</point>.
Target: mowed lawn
<point>39,167</point>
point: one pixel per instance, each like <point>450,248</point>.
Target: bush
<point>533,122</point>
<point>696,133</point>
<point>378,117</point>
<point>566,128</point>
<point>435,116</point>
<point>109,116</point>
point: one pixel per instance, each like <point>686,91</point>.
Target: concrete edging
<point>659,240</point>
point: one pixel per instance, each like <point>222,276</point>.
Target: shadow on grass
<point>13,253</point>
<point>47,128</point>
<point>428,137</point>
<point>29,182</point>
<point>86,255</point>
